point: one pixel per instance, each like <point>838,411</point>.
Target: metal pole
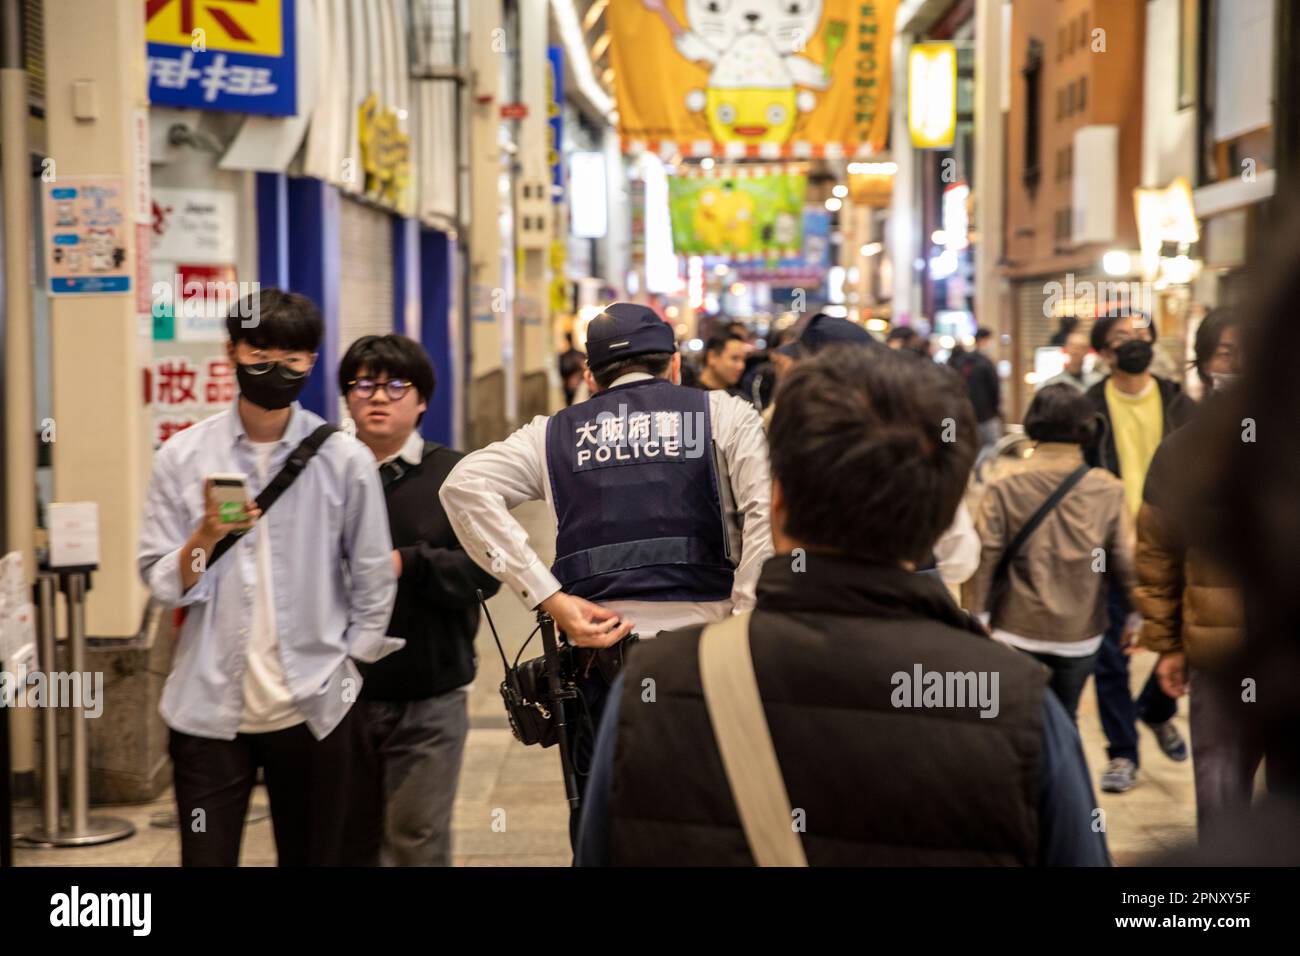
<point>19,355</point>
<point>49,716</point>
<point>79,766</point>
<point>83,829</point>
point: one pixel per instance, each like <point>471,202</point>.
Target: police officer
<point>660,495</point>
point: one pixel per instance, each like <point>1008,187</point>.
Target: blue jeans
<point>1119,712</point>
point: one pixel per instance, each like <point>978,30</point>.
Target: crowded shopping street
<point>648,436</point>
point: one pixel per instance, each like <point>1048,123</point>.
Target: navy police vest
<point>636,496</point>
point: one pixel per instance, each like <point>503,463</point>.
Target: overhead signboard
<point>743,212</point>
<point>236,55</point>
<point>932,94</point>
<point>760,80</point>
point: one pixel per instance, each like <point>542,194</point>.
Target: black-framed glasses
<point>395,388</point>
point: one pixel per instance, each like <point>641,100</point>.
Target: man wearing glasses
<point>1137,409</point>
<point>415,702</point>
<point>264,674</point>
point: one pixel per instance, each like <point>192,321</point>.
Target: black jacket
<point>1101,452</point>
<point>981,377</point>
<point>880,783</point>
<point>436,609</point>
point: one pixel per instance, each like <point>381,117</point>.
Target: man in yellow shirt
<point>1137,410</point>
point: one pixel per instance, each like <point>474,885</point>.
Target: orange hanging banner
<point>761,79</point>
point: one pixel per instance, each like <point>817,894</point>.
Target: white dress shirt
<point>486,484</point>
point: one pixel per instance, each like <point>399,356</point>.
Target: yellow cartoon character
<point>724,219</point>
<point>751,97</point>
<point>754,51</point>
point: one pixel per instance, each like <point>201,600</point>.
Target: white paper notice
<point>74,534</point>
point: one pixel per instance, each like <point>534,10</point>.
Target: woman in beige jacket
<point>1053,605</point>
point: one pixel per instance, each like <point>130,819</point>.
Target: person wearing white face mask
<point>1191,606</point>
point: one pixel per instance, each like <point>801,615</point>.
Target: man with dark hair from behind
<point>265,674</point>
<point>863,483</point>
<point>415,703</point>
<point>981,377</point>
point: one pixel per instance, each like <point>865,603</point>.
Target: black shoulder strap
<point>278,485</point>
<point>1054,499</point>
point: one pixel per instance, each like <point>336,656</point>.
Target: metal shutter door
<point>365,273</point>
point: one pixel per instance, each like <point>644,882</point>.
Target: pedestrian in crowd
<point>1190,601</point>
<point>1042,584</point>
<point>653,532</point>
<point>572,362</point>
<point>1066,327</point>
<point>415,703</point>
<point>902,337</point>
<point>762,370</point>
<point>265,674</point>
<point>845,765</point>
<point>724,364</point>
<point>957,551</point>
<point>1245,518</point>
<point>980,373</point>
<point>740,330</point>
<point>1074,374</point>
<point>1136,410</point>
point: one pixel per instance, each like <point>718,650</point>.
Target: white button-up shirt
<point>486,484</point>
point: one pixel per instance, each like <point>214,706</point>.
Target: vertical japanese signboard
<point>555,120</point>
<point>194,289</point>
<point>236,55</point>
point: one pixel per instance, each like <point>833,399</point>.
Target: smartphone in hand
<point>230,491</point>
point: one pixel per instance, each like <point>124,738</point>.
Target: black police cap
<point>624,330</point>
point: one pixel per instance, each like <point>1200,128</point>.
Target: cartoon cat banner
<point>762,79</point>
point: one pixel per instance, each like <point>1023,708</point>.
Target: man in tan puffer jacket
<point>1190,604</point>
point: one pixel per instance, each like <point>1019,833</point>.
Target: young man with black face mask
<point>264,673</point>
<point>1137,409</point>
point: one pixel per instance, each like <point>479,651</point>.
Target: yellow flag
<point>764,79</point>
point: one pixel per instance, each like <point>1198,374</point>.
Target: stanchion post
<point>45,604</point>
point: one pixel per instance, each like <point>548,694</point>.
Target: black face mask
<point>1134,356</point>
<point>273,389</point>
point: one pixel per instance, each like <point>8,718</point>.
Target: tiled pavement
<point>510,808</point>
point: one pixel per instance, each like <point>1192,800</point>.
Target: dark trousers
<point>1119,712</point>
<point>407,776</point>
<point>1069,674</point>
<point>1226,751</point>
<point>308,782</point>
<point>582,719</point>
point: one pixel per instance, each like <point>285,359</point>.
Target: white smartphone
<point>230,490</point>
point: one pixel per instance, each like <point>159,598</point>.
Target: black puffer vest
<point>871,783</point>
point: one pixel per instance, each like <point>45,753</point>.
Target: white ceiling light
<point>1117,262</point>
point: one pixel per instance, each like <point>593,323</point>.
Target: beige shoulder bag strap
<point>745,742</point>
